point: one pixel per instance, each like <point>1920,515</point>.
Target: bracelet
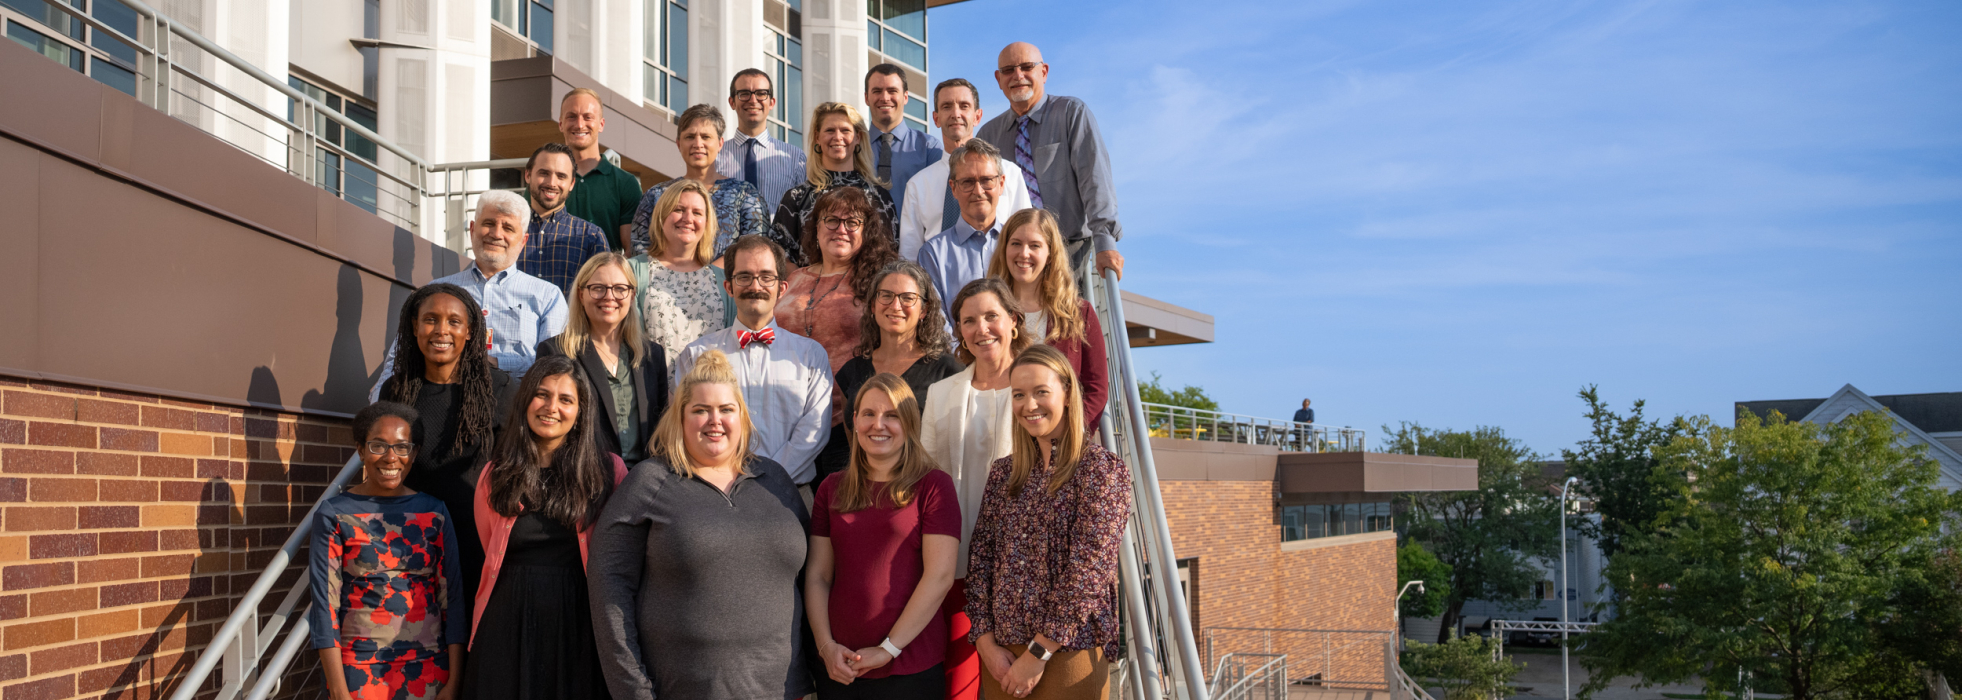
<point>890,649</point>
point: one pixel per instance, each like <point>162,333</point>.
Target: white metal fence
<point>1179,422</point>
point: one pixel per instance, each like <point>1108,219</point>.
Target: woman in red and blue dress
<point>388,614</point>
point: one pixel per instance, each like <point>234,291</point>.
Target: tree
<point>1778,558</point>
<point>1468,667</point>
<point>1189,397</point>
<point>1488,537</point>
<point>1924,621</point>
<point>1616,465</point>
<point>1414,563</point>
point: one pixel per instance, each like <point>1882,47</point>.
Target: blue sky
<point>1461,213</point>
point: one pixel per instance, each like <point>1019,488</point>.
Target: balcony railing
<point>1181,423</point>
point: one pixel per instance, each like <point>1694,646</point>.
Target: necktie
<point>765,336</point>
<point>1024,158</point>
<point>885,157</point>
<point>749,165</point>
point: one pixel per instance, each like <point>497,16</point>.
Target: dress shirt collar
<point>762,140</point>
<point>477,273</point>
<point>1035,113</point>
<point>964,232</point>
<point>898,131</point>
<point>737,325</point>
<point>548,217</point>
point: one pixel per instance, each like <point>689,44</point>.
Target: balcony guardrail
<point>1181,423</point>
<point>1354,659</point>
<point>1238,678</point>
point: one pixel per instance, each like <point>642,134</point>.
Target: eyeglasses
<point>1014,68</point>
<point>376,447</point>
<point>746,95</point>
<point>618,291</point>
<point>852,224</point>
<point>907,300</point>
<point>743,279</point>
<point>969,184</point>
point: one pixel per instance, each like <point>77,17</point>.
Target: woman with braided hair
<point>443,370</point>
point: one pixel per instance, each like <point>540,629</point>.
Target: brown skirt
<point>1071,674</point>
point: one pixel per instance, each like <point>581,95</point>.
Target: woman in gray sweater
<point>696,560</point>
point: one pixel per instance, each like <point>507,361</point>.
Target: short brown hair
<point>755,240</point>
<point>701,112</point>
<point>955,82</point>
<point>1000,291</point>
<point>888,69</point>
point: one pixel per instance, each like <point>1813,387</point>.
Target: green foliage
<point>1487,537</point>
<point>1783,553</point>
<point>1617,468</point>
<point>1466,667</point>
<point>1189,397</point>
<point>1924,624</point>
<point>1414,563</point>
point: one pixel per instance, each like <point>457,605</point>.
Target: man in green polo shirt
<point>602,193</point>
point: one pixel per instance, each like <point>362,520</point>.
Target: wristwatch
<point>890,647</point>
<point>1041,654</point>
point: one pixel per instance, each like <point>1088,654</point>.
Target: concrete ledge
<point>1373,472</point>
<point>1337,541</point>
<point>1197,460</point>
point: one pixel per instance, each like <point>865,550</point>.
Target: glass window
<point>664,34</point>
<point>541,27</point>
<point>904,50</point>
<point>44,45</point>
<point>916,108</point>
<point>114,76</point>
<point>784,63</point>
<point>872,35</point>
<point>49,14</point>
<point>908,16</point>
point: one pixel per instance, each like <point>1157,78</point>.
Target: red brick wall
<point>128,523</point>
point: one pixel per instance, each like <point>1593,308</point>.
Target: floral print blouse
<point>788,228</point>
<point>738,212</point>
<point>1044,563</point>
<point>678,307</point>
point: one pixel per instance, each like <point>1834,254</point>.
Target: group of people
<point>689,444</point>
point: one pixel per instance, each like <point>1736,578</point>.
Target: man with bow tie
<point>785,377</point>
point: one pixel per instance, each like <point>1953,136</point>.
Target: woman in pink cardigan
<point>532,632</point>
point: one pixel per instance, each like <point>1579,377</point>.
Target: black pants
<point>931,683</point>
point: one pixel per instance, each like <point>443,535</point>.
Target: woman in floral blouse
<point>840,155</point>
<point>681,295</point>
<point>1042,569</point>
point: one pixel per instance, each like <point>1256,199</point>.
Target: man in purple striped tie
<point>1055,141</point>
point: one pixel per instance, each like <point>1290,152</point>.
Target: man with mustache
<point>929,204</point>
<point>519,309</point>
<point>1055,140</point>
<point>558,242</point>
<point>785,377</point>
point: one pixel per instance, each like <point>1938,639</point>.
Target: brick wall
<point>127,525</point>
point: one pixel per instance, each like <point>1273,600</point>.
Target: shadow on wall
<point>190,622</point>
<point>346,388</point>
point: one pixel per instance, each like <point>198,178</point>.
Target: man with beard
<point>559,243</point>
<point>785,377</point>
<point>519,309</point>
<point>1054,139</point>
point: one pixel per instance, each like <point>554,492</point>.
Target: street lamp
<point>1566,687</point>
<point>1396,611</point>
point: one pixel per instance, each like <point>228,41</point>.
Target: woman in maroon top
<point>846,235</point>
<point>1033,261</point>
<point>893,522</point>
<point>1042,567</point>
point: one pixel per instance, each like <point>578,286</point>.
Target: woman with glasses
<point>681,296</point>
<point>840,155</point>
<point>902,333</point>
<point>628,372</point>
<point>443,370</point>
<point>536,503</point>
<point>738,205</point>
<point>388,618</point>
<point>1032,259</point>
<point>825,301</point>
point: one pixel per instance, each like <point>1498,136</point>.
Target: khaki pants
<point>1072,674</point>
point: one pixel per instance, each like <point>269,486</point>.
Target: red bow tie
<point>765,336</point>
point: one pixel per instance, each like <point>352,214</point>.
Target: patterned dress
<point>738,212</point>
<point>678,307</point>
<point>384,581</point>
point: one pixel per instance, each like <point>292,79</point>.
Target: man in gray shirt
<point>1054,139</point>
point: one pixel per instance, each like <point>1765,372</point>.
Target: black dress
<point>535,641</point>
<point>851,377</point>
<point>448,473</point>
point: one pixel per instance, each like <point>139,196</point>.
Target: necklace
<point>810,319</point>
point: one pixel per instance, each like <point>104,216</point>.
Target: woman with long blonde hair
<point>839,154</point>
<point>627,372</point>
<point>1043,602</point>
<point>1032,259</point>
<point>681,296</point>
<point>893,522</point>
<point>695,559</point>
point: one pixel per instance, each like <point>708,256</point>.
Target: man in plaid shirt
<point>559,243</point>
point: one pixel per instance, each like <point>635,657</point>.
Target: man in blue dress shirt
<point>557,243</point>
<point>751,155</point>
<point>898,151</point>
<point>960,254</point>
<point>519,309</point>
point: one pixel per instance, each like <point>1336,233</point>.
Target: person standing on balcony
<point>738,207</point>
<point>839,157</point>
<point>1033,263</point>
<point>388,617</point>
<point>697,559</point>
<point>785,377</point>
<point>518,309</point>
<point>602,193</point>
<point>1304,414</point>
<point>536,505</point>
<point>960,254</point>
<point>557,243</point>
<point>628,373</point>
<point>898,151</point>
<point>1042,570</point>
<point>755,157</point>
<point>900,332</point>
<point>890,523</point>
<point>681,295</point>
<point>928,205</point>
<point>966,429</point>
<point>848,236</point>
<point>1056,142</point>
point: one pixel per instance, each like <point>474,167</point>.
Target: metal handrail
<point>1271,677</point>
<point>1183,423</point>
<point>1331,650</point>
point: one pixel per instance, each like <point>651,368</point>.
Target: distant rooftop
<point>1932,413</point>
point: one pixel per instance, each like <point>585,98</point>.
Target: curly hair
<point>930,336</point>
<point>875,247</point>
<point>473,372</point>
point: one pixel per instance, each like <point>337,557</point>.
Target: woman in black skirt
<point>536,502</point>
